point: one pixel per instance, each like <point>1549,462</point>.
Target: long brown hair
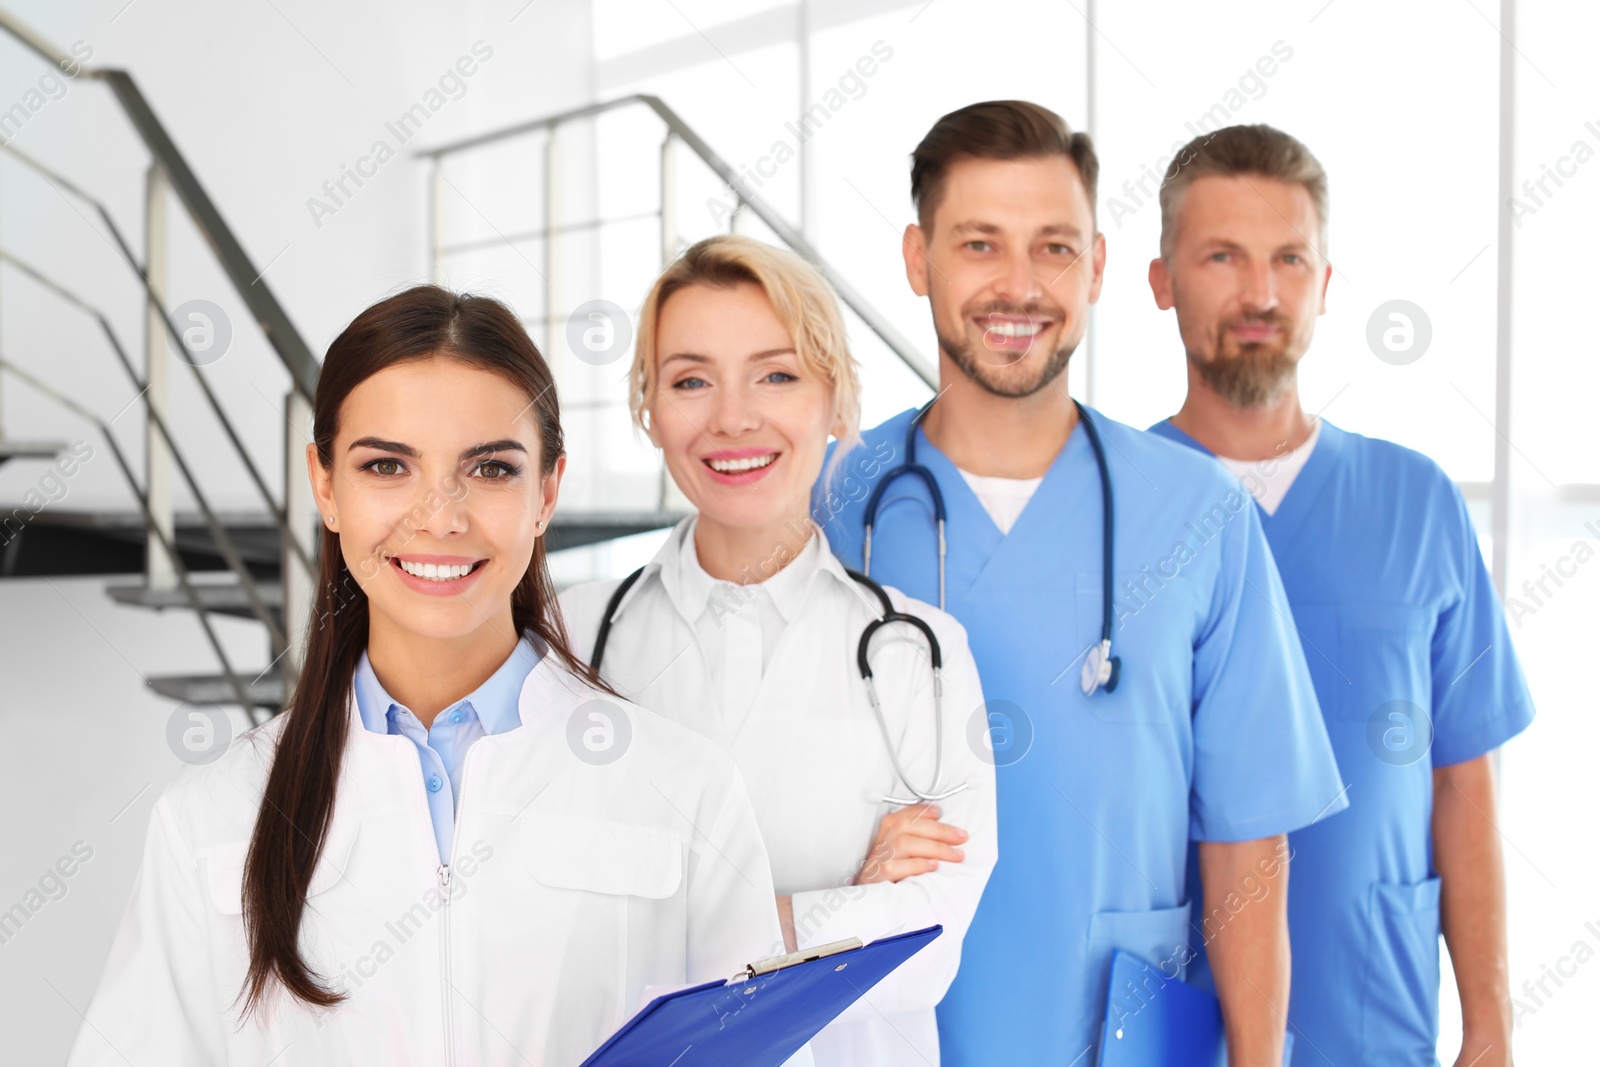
<point>297,806</point>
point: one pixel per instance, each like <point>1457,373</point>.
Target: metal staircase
<point>260,561</point>
<point>29,549</point>
<point>12,449</point>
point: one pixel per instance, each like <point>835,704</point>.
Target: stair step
<point>226,598</point>
<point>67,541</point>
<point>62,541</point>
<point>10,449</point>
<point>263,692</point>
<point>576,529</point>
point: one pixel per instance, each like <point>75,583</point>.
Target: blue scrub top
<point>1213,731</point>
<point>1414,670</point>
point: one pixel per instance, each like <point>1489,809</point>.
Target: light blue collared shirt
<point>489,709</point>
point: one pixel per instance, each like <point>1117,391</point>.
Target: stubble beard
<point>981,371</point>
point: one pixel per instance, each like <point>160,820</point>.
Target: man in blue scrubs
<point>1212,731</point>
<point>1407,644</point>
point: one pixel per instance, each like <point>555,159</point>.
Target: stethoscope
<point>933,793</point>
<point>1100,668</point>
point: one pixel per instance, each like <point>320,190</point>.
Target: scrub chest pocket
<point>1365,656</point>
<point>1386,651</point>
<point>1152,631</point>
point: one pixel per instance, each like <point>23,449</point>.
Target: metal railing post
<point>159,572</point>
<point>552,293</point>
<point>2,388</point>
<point>669,248</point>
<point>669,193</point>
<point>436,221</point>
<point>808,213</point>
<point>1501,525</point>
<point>1091,126</point>
<point>300,508</point>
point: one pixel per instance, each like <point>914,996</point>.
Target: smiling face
<point>1010,263</point>
<point>437,495</point>
<point>742,422</point>
<point>1247,281</point>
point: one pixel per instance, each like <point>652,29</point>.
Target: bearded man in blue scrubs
<point>1406,641</point>
<point>1212,731</point>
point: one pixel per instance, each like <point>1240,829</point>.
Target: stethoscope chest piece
<point>1101,670</point>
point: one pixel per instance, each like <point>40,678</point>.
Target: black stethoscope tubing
<point>889,615</point>
<point>1101,668</point>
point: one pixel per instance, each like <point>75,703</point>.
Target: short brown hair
<point>997,129</point>
<point>1232,151</point>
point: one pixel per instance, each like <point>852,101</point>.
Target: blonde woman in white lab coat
<point>425,859</point>
<point>745,627</point>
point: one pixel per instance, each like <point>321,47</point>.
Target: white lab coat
<point>573,885</point>
<point>814,759</point>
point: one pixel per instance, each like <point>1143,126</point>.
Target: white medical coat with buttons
<point>599,849</point>
<point>814,758</point>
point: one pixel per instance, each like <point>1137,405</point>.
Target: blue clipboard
<point>762,1017</point>
<point>1155,1020</point>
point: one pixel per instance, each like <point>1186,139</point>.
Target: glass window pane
<point>1411,163</point>
<point>925,61</point>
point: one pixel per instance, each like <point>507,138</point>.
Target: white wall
<point>267,102</point>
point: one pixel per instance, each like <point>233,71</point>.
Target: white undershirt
<point>1002,498</point>
<point>1268,480</point>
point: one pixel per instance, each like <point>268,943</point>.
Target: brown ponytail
<point>297,805</point>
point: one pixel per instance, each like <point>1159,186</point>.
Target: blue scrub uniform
<point>1407,645</point>
<point>1213,732</point>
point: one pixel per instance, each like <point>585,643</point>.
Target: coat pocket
<point>224,868</point>
<point>1159,937</point>
<point>596,856</point>
<point>607,903</point>
<point>1400,1002</point>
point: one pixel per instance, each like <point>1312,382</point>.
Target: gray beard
<point>1250,379</point>
<point>961,354</point>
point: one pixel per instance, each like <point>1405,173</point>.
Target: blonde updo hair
<point>801,299</point>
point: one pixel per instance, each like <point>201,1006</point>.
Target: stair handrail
<point>278,512</point>
<point>787,233</point>
<point>248,282</point>
<point>152,525</point>
<point>225,545</point>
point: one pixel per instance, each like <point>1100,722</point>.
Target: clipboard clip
<point>791,959</point>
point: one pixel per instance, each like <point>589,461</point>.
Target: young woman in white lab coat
<point>312,897</point>
<point>745,628</point>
